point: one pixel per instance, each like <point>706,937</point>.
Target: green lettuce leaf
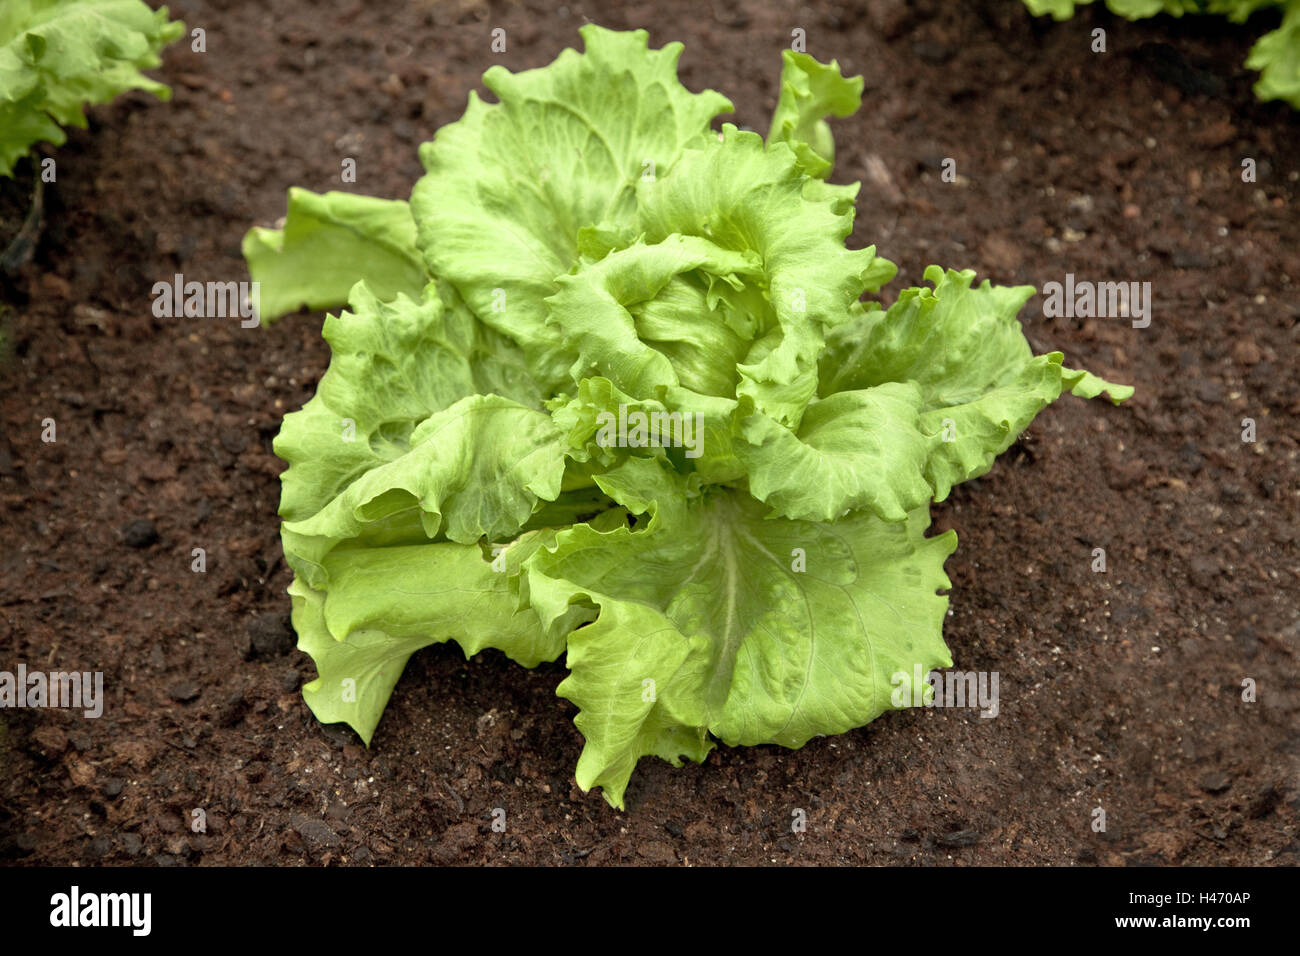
<point>329,243</point>
<point>746,198</point>
<point>811,91</point>
<point>411,441</point>
<point>475,469</point>
<point>862,449</point>
<point>711,624</point>
<point>510,186</point>
<point>738,268</point>
<point>980,385</point>
<point>1132,9</point>
<point>608,388</point>
<point>395,364</point>
<point>1277,57</point>
<point>383,604</point>
<point>58,55</point>
<point>592,310</point>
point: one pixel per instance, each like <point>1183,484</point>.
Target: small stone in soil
<point>131,843</point>
<point>1208,391</point>
<point>338,735</point>
<point>50,739</point>
<point>315,833</point>
<point>959,838</point>
<point>270,636</point>
<point>935,53</point>
<point>233,441</point>
<point>112,787</point>
<point>656,851</point>
<point>1186,259</point>
<point>233,710</point>
<point>183,691</point>
<point>1215,782</point>
<point>140,533</point>
<point>1264,803</point>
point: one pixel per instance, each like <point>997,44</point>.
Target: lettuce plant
<point>587,264</point>
<point>1276,55</point>
<point>58,55</point>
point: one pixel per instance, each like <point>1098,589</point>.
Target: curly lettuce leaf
<point>403,464</point>
<point>1132,9</point>
<point>382,604</point>
<point>329,243</point>
<point>737,270</point>
<point>719,309</point>
<point>595,253</point>
<point>58,55</point>
<point>709,623</point>
<point>700,430</point>
<point>854,450</point>
<point>510,186</point>
<point>1277,58</point>
<point>425,425</point>
<point>811,91</point>
<point>475,469</point>
<point>744,197</point>
<point>394,365</point>
<point>1276,55</point>
<point>593,310</point>
<point>962,345</point>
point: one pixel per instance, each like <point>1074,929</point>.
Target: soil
<point>1121,691</point>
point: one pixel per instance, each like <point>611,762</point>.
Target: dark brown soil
<point>1119,690</point>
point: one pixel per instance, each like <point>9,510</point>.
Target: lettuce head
<point>607,389</point>
<point>58,55</point>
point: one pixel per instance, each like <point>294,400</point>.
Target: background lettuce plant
<point>58,55</point>
<point>1276,55</point>
<point>587,242</point>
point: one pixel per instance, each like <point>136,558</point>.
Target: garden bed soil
<point>1120,691</point>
